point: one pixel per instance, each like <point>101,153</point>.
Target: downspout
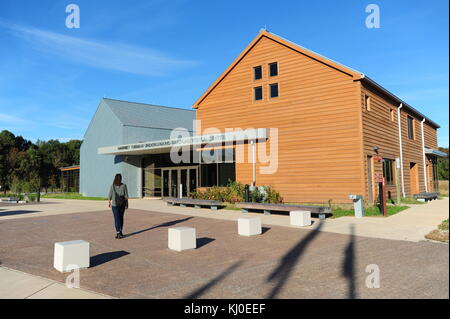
<point>253,162</point>
<point>424,158</point>
<point>401,147</point>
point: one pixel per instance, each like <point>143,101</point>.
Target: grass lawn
<point>71,196</point>
<point>410,200</point>
<point>439,234</point>
<point>368,211</point>
<point>231,207</point>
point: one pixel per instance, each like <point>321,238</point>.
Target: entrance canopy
<point>430,151</point>
<point>164,146</point>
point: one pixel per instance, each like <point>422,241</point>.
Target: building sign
<point>240,135</point>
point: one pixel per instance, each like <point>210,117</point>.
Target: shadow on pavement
<point>106,257</point>
<point>348,266</point>
<point>204,241</point>
<point>167,224</point>
<point>288,262</point>
<point>18,212</point>
<point>199,292</point>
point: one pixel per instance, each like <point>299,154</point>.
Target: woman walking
<point>118,199</point>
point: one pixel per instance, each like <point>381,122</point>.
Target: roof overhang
<point>374,84</point>
<point>165,146</point>
<point>430,151</point>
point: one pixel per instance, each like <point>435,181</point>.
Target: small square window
<point>274,90</point>
<point>258,93</point>
<point>257,72</point>
<point>273,69</point>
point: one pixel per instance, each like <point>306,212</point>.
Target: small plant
<point>234,192</point>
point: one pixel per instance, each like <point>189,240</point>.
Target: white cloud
<point>111,56</point>
<point>12,120</point>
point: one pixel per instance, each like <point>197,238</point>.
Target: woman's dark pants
<point>118,212</point>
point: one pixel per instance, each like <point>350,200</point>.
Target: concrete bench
<point>70,255</point>
<point>197,203</point>
<point>426,196</point>
<point>300,218</point>
<point>269,208</point>
<point>182,238</point>
<point>249,226</point>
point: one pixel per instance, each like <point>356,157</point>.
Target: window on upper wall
<point>388,171</point>
<point>410,128</point>
<point>392,115</point>
<point>273,90</point>
<point>258,93</point>
<point>273,69</point>
<point>367,102</point>
<point>257,72</point>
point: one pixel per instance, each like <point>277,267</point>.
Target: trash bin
<point>358,205</point>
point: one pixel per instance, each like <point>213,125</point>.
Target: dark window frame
<point>270,90</point>
<point>388,171</point>
<point>254,93</point>
<point>270,69</point>
<point>260,72</point>
<point>411,130</point>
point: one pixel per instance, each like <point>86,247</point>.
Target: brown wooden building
<point>339,132</point>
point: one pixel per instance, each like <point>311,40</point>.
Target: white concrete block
<point>182,238</point>
<point>300,218</point>
<point>249,226</point>
<point>70,255</point>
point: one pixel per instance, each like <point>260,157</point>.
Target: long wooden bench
<point>427,196</point>
<point>268,208</point>
<point>197,203</point>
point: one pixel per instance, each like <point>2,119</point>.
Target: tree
<point>25,166</point>
<point>442,165</point>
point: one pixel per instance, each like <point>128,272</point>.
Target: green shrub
<point>234,192</point>
<point>32,197</point>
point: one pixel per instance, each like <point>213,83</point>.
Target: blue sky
<point>168,52</point>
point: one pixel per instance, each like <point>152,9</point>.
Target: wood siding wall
<point>380,130</point>
<point>316,114</point>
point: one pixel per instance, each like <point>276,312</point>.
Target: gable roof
<point>149,115</point>
<point>264,33</point>
<point>357,76</point>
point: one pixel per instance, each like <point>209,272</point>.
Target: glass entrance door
<point>184,179</point>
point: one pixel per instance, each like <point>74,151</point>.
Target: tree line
<point>27,167</point>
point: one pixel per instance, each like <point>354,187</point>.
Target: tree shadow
<point>197,293</point>
<point>204,241</point>
<point>287,263</point>
<point>106,257</point>
<point>167,224</point>
<point>348,266</point>
<point>18,212</point>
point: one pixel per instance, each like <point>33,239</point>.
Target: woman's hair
<point>117,179</point>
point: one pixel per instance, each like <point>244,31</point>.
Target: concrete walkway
<point>411,224</point>
<point>19,285</point>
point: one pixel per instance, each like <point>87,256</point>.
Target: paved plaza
<point>283,262</point>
